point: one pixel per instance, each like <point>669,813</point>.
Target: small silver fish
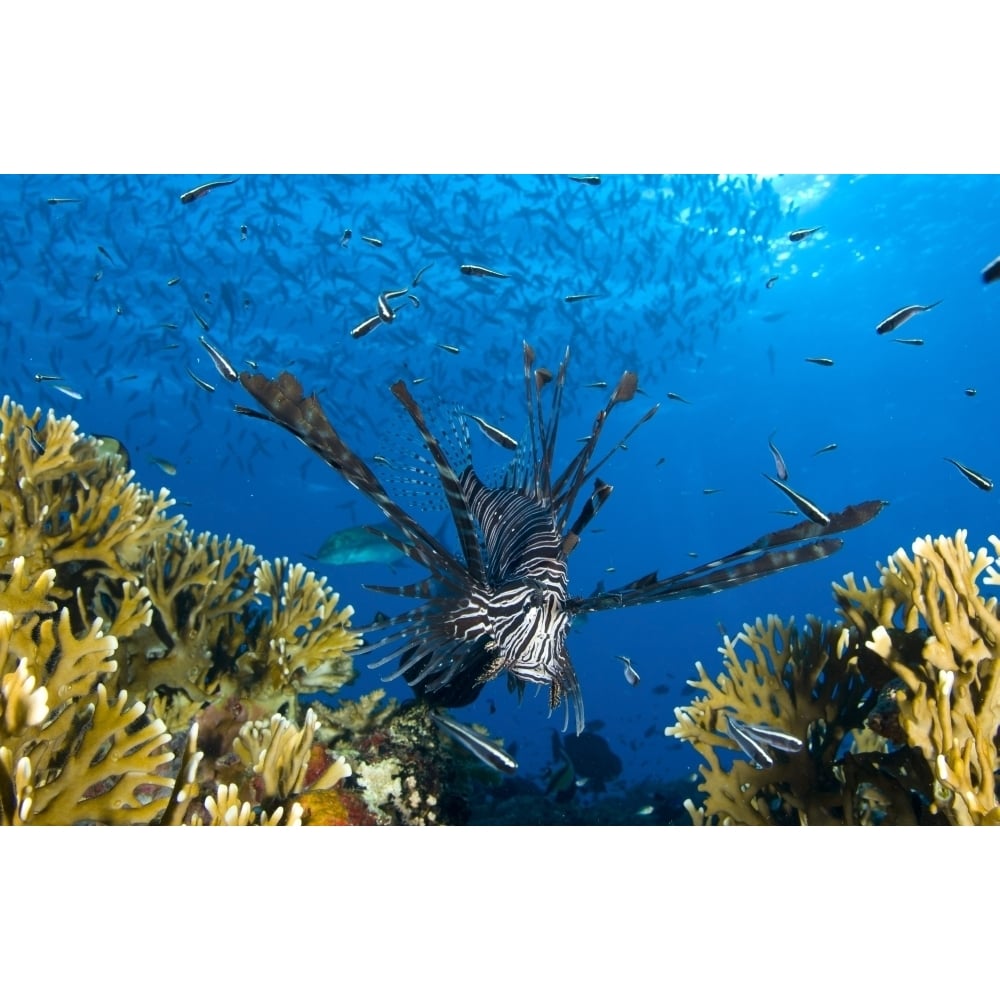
<point>912,341</point>
<point>67,391</point>
<point>825,362</point>
<point>202,322</point>
<point>827,447</point>
<point>757,740</point>
<point>475,742</point>
<point>771,282</point>
<point>172,281</point>
<point>592,179</point>
<point>346,238</point>
<point>475,271</point>
<point>221,362</point>
<point>420,274</point>
<point>62,201</point>
<point>200,382</point>
<point>362,329</point>
<point>803,503</point>
<point>372,241</point>
<point>202,189</point>
<point>450,348</point>
<point>48,378</point>
<point>900,316</point>
<point>780,469</point>
<point>385,311</point>
<point>676,398</point>
<point>496,435</point>
<point>976,478</point>
<point>596,385</point>
<point>970,391</point>
<point>990,273</point>
<point>582,297</point>
<point>800,234</point>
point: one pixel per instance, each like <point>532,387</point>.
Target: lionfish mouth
<point>502,604</point>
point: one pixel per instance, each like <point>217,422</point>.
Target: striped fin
<point>768,554</point>
<point>595,502</point>
<point>464,525</point>
<point>569,483</point>
<point>564,503</point>
<point>284,400</point>
<point>533,437</point>
<point>548,434</point>
<point>712,577</point>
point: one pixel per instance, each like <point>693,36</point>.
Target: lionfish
<point>503,605</point>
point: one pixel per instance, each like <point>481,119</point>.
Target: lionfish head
<point>530,643</point>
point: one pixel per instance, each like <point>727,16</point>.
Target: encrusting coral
<point>150,675</point>
<point>897,709</point>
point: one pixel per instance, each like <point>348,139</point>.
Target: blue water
<point>681,264</point>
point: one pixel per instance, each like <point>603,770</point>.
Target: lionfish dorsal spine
<point>552,429</point>
<point>594,503</point>
<point>534,429</point>
<point>457,504</point>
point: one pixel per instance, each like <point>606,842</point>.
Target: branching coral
<point>304,642</point>
<point>70,752</point>
<point>899,711</point>
<point>948,700</point>
<point>118,628</point>
<point>64,504</point>
<point>805,683</point>
<point>150,675</point>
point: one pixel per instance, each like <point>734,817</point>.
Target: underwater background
<point>108,281</point>
<point>433,87</point>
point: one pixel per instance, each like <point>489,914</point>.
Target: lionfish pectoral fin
<point>457,502</point>
<point>770,553</point>
<point>288,406</point>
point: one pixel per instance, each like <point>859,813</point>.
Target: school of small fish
<point>133,293</point>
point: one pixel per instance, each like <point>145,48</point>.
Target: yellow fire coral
<point>898,712</point>
<point>63,502</point>
<point>948,698</point>
<point>104,598</point>
<point>69,751</point>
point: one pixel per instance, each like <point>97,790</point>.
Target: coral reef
<point>897,709</point>
<point>151,675</point>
